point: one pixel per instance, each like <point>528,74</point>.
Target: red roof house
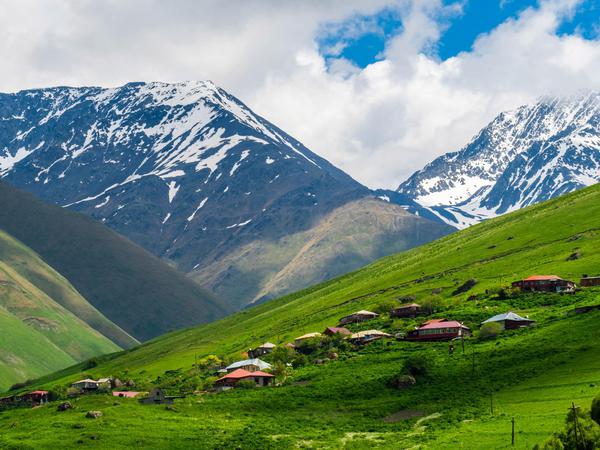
<point>439,330</point>
<point>544,283</point>
<point>231,379</point>
<point>35,397</point>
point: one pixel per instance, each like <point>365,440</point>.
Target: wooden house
<point>544,283</point>
<point>439,330</point>
<point>35,398</point>
<point>331,331</point>
<point>589,281</point>
<point>251,365</point>
<point>232,379</point>
<point>261,350</point>
<point>410,310</point>
<point>367,336</point>
<point>509,321</point>
<point>85,385</point>
<point>358,316</point>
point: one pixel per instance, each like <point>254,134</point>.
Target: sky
<point>378,87</point>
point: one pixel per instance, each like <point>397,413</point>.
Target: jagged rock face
<point>522,157</point>
<point>185,170</point>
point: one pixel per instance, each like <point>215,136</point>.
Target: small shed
<point>544,283</point>
<point>439,330</point>
<point>85,385</point>
<point>331,331</point>
<point>232,379</point>
<point>589,281</point>
<point>251,365</point>
<point>305,337</point>
<point>510,321</point>
<point>364,337</point>
<point>358,316</point>
<point>261,350</point>
<point>407,310</point>
<point>157,397</point>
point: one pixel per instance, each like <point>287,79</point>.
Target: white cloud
<point>379,123</point>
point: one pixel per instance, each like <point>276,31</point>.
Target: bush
<point>490,330</point>
<point>385,307</point>
<point>246,384</point>
<point>553,443</point>
<point>431,304</point>
<point>403,381</point>
<point>595,413</point>
<point>466,286</point>
<point>418,365</point>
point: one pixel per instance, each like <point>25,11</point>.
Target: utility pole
<point>492,402</point>
<point>473,366</point>
<point>513,431</point>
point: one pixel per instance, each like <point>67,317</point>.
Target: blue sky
<point>362,39</point>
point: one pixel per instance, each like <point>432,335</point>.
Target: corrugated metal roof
<point>543,278</point>
<point>240,374</point>
<point>444,324</point>
<point>506,316</point>
<point>249,362</point>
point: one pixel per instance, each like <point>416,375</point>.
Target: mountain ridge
<point>524,156</point>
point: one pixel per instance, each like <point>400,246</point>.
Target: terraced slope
<point>38,334</point>
<point>348,403</point>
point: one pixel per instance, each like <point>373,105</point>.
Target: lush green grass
<point>140,293</point>
<point>533,373</point>
<point>37,334</point>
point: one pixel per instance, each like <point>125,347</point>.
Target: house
<point>157,397</point>
<point>127,394</point>
<point>509,321</point>
<point>251,365</point>
<point>331,331</point>
<point>8,401</point>
<point>589,281</point>
<point>305,337</point>
<point>104,382</point>
<point>439,330</point>
<point>408,310</point>
<point>358,316</point>
<point>544,283</point>
<point>35,397</point>
<point>364,337</point>
<point>85,385</point>
<point>232,379</point>
<point>264,349</point>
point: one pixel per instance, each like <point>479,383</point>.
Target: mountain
<point>522,157</point>
<point>40,331</point>
<point>185,170</point>
<point>530,375</point>
<point>132,288</point>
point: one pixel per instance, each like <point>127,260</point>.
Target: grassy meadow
<point>531,374</point>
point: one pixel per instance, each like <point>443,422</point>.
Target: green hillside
<point>532,374</point>
<point>134,289</point>
<point>38,335</point>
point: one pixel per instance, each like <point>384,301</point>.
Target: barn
<point>407,311</point>
<point>589,281</point>
<point>358,316</point>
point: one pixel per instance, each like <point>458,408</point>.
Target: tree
<point>595,413</point>
<point>431,304</point>
<point>490,330</point>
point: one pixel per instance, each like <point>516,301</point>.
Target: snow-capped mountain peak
<point>524,156</point>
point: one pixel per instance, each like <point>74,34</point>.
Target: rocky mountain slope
<point>39,330</point>
<point>185,170</point>
<point>135,290</point>
<point>522,157</point>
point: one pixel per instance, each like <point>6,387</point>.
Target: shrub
<point>553,443</point>
<point>403,381</point>
<point>418,364</point>
<point>490,330</point>
<point>385,307</point>
<point>246,384</point>
<point>595,413</point>
<point>466,286</point>
<point>431,304</point>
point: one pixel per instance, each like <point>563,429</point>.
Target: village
<point>261,366</point>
